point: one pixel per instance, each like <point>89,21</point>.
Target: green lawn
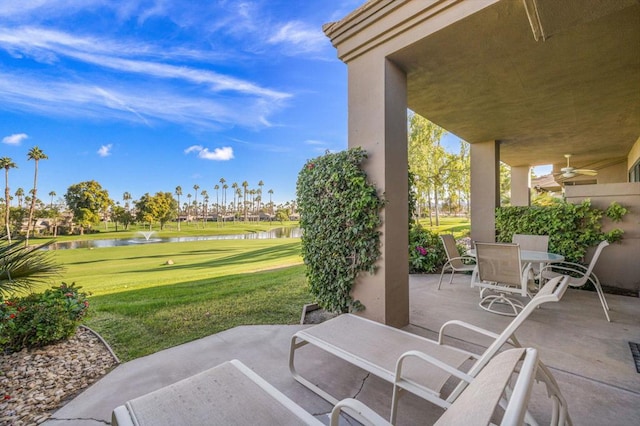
<point>458,226</point>
<point>142,305</point>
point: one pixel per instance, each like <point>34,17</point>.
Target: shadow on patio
<point>589,357</point>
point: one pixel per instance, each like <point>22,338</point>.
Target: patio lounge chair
<point>232,394</point>
<point>580,274</point>
<point>380,350</point>
<point>500,272</point>
<point>455,262</point>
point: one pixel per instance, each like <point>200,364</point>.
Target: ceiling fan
<point>569,172</point>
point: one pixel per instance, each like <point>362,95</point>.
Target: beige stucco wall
<point>520,186</point>
<point>634,155</point>
<point>614,174</point>
<point>619,263</point>
<point>378,123</point>
<point>485,191</point>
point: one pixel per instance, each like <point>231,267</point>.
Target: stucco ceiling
<point>578,91</point>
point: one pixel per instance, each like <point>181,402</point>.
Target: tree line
<point>86,204</point>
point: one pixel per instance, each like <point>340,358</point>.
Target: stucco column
<point>520,186</point>
<point>378,123</point>
<point>485,190</point>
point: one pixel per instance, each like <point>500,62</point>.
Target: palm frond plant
<point>22,267</point>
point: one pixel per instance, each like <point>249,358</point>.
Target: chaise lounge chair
<point>395,355</point>
<point>232,394</point>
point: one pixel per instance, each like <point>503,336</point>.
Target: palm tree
<point>252,193</point>
<point>126,197</point>
<point>224,198</point>
<point>205,204</point>
<point>20,194</point>
<point>21,267</point>
<point>224,194</point>
<point>178,193</point>
<point>217,187</point>
<point>239,195</point>
<point>271,202</point>
<point>195,205</point>
<point>234,186</point>
<point>36,155</point>
<point>6,163</point>
<point>55,213</point>
<point>188,205</point>
<point>52,194</point>
<point>260,185</point>
<point>245,185</point>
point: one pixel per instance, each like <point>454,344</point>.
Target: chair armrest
<point>464,325</point>
<point>358,411</point>
<point>464,257</point>
<point>511,340</point>
<point>433,361</point>
<point>566,266</point>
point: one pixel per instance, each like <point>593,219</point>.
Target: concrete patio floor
<point>589,357</point>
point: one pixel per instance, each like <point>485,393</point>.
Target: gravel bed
<point>34,383</point>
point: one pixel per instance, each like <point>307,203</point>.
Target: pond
<point>149,238</point>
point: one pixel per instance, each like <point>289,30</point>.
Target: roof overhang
<point>543,77</point>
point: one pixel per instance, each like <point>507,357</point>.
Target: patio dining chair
<point>232,394</point>
<point>500,273</point>
<point>579,275</point>
<point>455,262</point>
<point>533,243</point>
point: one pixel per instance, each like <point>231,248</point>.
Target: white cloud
<point>46,45</point>
<point>140,103</point>
<point>218,154</point>
<point>314,142</point>
<point>105,150</point>
<point>15,139</point>
<point>193,148</point>
<point>299,37</point>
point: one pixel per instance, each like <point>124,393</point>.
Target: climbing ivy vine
<point>572,228</point>
<point>340,217</point>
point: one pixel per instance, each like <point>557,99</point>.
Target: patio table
<point>531,256</point>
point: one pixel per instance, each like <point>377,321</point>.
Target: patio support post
<point>485,190</point>
<point>378,123</point>
<point>520,186</point>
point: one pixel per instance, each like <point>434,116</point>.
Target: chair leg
<point>440,282</point>
<point>444,269</point>
<point>603,301</point>
<point>452,274</point>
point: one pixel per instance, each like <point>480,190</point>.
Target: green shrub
<point>340,216</point>
<point>39,319</point>
<point>426,251</point>
<point>572,228</point>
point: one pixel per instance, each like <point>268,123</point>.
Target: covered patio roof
<point>576,89</point>
<point>523,81</point>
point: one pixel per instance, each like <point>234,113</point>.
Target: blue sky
<point>146,95</point>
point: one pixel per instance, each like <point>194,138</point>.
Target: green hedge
<point>572,228</point>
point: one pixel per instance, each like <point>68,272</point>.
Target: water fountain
<point>147,237</point>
